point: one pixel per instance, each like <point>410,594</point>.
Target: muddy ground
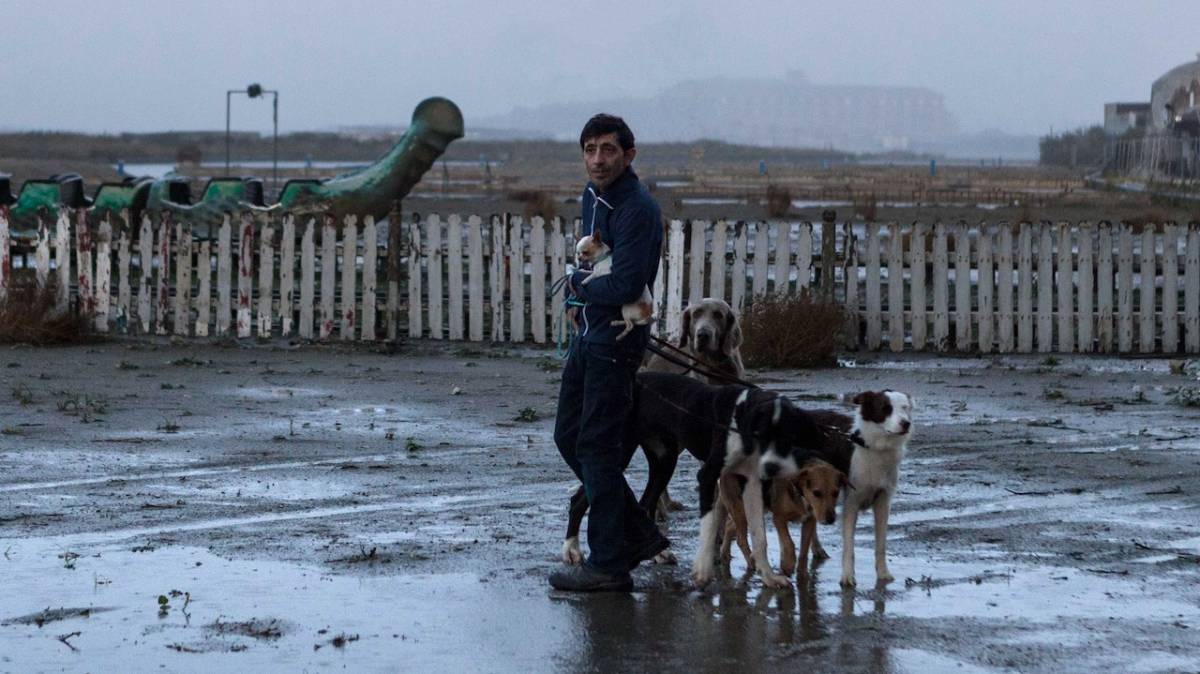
<point>282,507</point>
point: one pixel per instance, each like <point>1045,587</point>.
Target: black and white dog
<point>749,432</point>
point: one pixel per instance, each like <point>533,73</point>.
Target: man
<point>595,401</point>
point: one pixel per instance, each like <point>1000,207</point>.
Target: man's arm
<point>634,248</point>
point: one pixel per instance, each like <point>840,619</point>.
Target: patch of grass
<point>1051,361</point>
<point>84,405</point>
<point>11,430</point>
<point>1188,396</point>
<point>126,365</point>
<point>1051,393</point>
<point>527,414</point>
<point>548,364</point>
<point>794,331</point>
<point>169,426</point>
<point>22,395</point>
<point>188,361</point>
<point>29,315</point>
<point>411,445</point>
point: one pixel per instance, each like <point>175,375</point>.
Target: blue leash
<point>560,346</point>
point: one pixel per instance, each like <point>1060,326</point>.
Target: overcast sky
<point>146,65</point>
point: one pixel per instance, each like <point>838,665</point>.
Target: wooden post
<point>762,256</point>
<point>395,251</point>
<point>245,268</point>
<point>124,293</point>
<point>349,307</point>
<point>183,290</point>
<point>783,258</point>
<point>804,254</point>
<point>1066,290</point>
<point>62,258</point>
<point>164,273</point>
<point>1104,289</point>
<point>204,298</point>
<point>224,273</point>
<point>716,261</point>
<point>916,253</point>
<point>558,267</point>
<point>850,274</point>
<point>5,253</point>
<point>433,273</point>
<point>103,273</point>
<point>42,255</point>
<point>874,317</point>
<point>1191,292</point>
<point>498,258</point>
<point>828,253</point>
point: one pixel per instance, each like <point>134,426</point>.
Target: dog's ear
<point>858,399</point>
<point>732,340</point>
<point>685,332</point>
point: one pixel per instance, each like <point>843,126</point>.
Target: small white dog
<point>880,431</point>
<point>592,250</point>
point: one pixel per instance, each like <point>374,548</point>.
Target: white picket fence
<point>1021,288</point>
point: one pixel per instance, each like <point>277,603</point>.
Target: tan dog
<point>592,250</point>
<point>808,498</point>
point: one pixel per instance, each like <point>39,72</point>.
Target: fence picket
<point>62,258</point>
<point>1191,285</point>
<point>1124,288</point>
<point>716,260</point>
<point>245,266</point>
<point>695,262</point>
<point>783,258</point>
<point>985,319</point>
<point>124,292</point>
<point>266,277</point>
<point>920,327</point>
<point>349,318</point>
<point>204,296</point>
<point>287,269</point>
<point>762,255</point>
<point>224,273</point>
<point>329,276</point>
<point>1104,290</point>
<point>368,312</point>
<point>674,280</point>
<point>103,273</point>
<point>1065,282</point>
<point>874,317</point>
<point>497,278</point>
<point>962,288</point>
<point>1025,288</point>
<point>475,277</point>
<point>804,256</point>
<point>737,285</point>
<point>850,275</point>
<point>895,279</point>
<point>1084,318</point>
<point>941,299</point>
<point>516,278</point>
<point>537,279</point>
<point>454,270</point>
<point>42,255</point>
<point>83,257</point>
<point>1004,288</point>
<point>1170,288</point>
<point>308,277</point>
<point>164,274</point>
<point>433,273</point>
<point>1148,265</point>
<point>1045,288</point>
<point>5,253</point>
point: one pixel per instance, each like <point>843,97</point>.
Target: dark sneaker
<point>647,550</point>
<point>584,578</point>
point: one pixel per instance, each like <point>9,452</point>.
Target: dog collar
<point>857,438</point>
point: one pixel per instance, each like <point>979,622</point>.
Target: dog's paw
<point>884,576</point>
<point>665,557</point>
<point>702,573</point>
<point>819,554</point>
<point>571,553</point>
<point>847,580</point>
<point>774,580</point>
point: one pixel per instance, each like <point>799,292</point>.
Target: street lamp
<point>254,91</point>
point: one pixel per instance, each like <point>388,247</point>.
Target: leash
<point>676,355</point>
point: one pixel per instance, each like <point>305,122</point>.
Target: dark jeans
<point>595,407</point>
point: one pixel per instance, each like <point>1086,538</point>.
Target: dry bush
<point>867,206</point>
<point>791,331</point>
<point>779,201</point>
<point>28,316</point>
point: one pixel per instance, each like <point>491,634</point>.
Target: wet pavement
<point>192,508</point>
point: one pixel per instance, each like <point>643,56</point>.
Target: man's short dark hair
<point>603,124</point>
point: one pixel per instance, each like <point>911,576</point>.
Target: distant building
<point>1175,99</point>
<point>1119,118</point>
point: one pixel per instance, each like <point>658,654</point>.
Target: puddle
<point>262,615</point>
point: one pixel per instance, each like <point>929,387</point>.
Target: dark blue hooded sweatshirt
<point>630,222</point>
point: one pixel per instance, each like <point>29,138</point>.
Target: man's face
<point>605,160</point>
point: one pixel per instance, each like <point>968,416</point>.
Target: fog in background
<point>1021,67</point>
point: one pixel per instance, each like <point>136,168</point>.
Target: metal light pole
<point>254,91</point>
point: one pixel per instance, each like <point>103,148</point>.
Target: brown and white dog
<point>712,336</point>
<point>808,498</point>
<point>592,250</point>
